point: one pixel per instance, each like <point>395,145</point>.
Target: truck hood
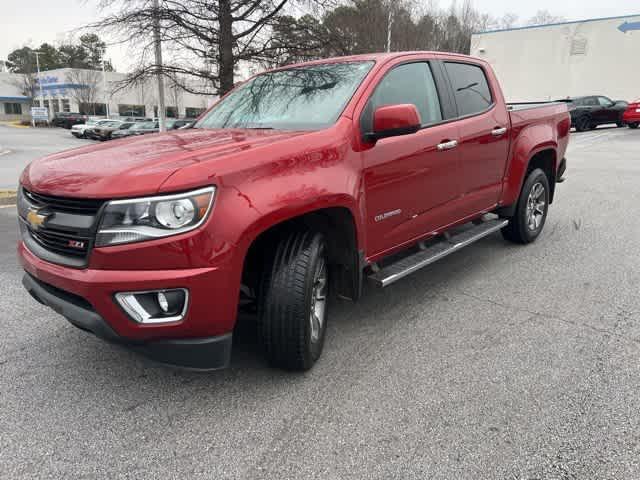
<point>138,165</point>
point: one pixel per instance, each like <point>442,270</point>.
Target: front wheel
<point>620,124</point>
<point>531,211</point>
<point>293,301</point>
<point>633,125</point>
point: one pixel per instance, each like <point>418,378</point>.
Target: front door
<point>409,180</point>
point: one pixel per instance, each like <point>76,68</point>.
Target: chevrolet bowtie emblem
<point>36,219</point>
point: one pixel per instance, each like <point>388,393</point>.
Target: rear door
<point>592,105</point>
<point>483,123</point>
<point>409,180</point>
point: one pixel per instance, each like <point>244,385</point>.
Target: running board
<point>407,265</point>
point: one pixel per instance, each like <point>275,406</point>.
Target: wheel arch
<point>338,225</point>
<point>527,156</point>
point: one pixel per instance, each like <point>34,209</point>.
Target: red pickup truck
<point>304,181</point>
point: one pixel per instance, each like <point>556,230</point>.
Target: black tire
<point>620,124</point>
<point>286,328</point>
<point>633,125</point>
<point>519,229</point>
<point>583,124</point>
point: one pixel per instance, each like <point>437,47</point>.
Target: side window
<point>604,102</point>
<point>470,87</point>
<point>591,102</point>
<point>409,83</point>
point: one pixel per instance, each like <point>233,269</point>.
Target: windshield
<point>303,98</point>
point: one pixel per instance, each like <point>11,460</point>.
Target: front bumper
<point>200,353</point>
<point>86,297</point>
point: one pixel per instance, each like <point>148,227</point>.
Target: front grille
<point>59,204</point>
<point>62,243</point>
<point>67,234</point>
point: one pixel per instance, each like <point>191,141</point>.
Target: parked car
<point>135,119</point>
<point>105,130</point>
<point>81,130</point>
<point>68,119</point>
<point>589,112</point>
<point>138,128</point>
<point>631,115</point>
<point>143,128</point>
<point>176,123</point>
<point>302,181</point>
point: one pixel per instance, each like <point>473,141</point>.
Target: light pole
<point>104,87</point>
<point>39,83</point>
<point>158,51</point>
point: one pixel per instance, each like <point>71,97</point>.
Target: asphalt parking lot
<point>499,362</point>
<point>18,146</point>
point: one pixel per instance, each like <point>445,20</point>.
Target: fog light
<point>155,306</point>
<point>162,301</point>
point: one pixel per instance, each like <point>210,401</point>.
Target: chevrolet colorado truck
<point>297,186</point>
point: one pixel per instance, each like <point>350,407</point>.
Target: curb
<point>14,125</point>
<point>7,197</point>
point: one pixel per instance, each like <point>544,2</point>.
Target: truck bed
<point>523,114</point>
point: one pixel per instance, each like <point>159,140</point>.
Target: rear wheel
<point>583,124</point>
<point>620,124</point>
<point>633,125</point>
<point>531,210</point>
<point>293,301</point>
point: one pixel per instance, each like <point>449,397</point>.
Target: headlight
<point>138,219</point>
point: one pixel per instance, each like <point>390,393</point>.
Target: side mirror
<point>394,120</point>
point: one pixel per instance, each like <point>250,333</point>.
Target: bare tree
<point>83,89</point>
<point>27,83</point>
<point>203,39</point>
<point>544,17</point>
<point>174,95</point>
<point>508,20</point>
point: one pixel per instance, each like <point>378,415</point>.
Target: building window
<point>131,110</point>
<point>191,112</point>
<point>56,105</point>
<point>13,109</point>
<point>65,105</point>
<point>35,103</point>
<point>99,109</point>
<point>172,112</point>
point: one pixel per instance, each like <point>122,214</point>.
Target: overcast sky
<point>31,22</point>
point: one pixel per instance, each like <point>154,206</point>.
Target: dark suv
<point>589,112</point>
<point>68,119</point>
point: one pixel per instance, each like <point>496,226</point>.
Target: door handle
<point>497,132</point>
<point>447,145</point>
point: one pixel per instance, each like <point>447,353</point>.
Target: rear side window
<point>409,83</point>
<point>604,102</point>
<point>470,87</point>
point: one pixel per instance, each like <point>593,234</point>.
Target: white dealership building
<point>93,93</point>
<point>548,62</point>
